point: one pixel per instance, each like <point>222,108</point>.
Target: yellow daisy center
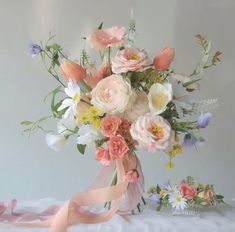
<point>159,100</point>
<point>76,97</point>
<point>178,199</point>
<point>157,131</point>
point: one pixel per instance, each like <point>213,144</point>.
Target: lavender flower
<point>189,140</point>
<point>34,49</point>
<point>155,198</point>
<point>203,120</point>
<point>165,185</point>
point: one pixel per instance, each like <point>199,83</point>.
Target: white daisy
<point>177,201</point>
<point>87,135</point>
<point>73,91</point>
<point>169,190</point>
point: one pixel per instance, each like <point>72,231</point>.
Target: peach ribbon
<point>75,209</point>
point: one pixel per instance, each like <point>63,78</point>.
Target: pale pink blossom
<point>163,59</point>
<point>109,125</point>
<point>130,59</point>
<point>152,132</point>
<point>102,155</point>
<point>132,175</point>
<point>100,39</point>
<point>117,146</point>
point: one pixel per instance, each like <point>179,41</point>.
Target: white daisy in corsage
<point>177,201</point>
<point>159,96</point>
<point>73,91</point>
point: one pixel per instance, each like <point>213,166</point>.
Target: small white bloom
<point>55,142</point>
<point>74,93</point>
<point>169,190</point>
<point>177,201</point>
<point>66,125</point>
<point>159,96</point>
<point>87,135</point>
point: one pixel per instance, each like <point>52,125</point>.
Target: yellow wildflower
<point>176,149</point>
<point>169,165</point>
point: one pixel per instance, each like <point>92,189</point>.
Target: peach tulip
<point>71,70</point>
<point>163,59</point>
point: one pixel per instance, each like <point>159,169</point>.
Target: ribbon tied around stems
<point>76,209</point>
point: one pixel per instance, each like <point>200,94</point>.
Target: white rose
<point>159,96</point>
<point>112,94</point>
<point>137,106</point>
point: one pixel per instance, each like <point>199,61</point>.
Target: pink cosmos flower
<point>130,59</point>
<point>109,125</point>
<point>96,74</point>
<point>100,39</point>
<point>102,155</point>
<point>152,132</point>
<point>73,71</point>
<point>132,176</point>
<point>117,146</point>
<point>163,59</point>
<point>187,191</point>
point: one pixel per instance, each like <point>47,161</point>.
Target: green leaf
<point>188,83</point>
<point>159,207</point>
<point>190,180</point>
<point>100,26</point>
<point>81,148</point>
<point>26,123</point>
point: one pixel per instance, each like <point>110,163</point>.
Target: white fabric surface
<point>218,219</point>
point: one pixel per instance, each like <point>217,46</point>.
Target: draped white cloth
<point>218,219</point>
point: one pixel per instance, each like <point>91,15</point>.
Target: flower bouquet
<point>124,102</point>
<point>184,196</point>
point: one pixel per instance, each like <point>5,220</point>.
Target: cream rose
<point>152,132</point>
<point>137,106</point>
<point>112,94</point>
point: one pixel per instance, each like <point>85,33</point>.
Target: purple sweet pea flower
<point>34,49</point>
<point>189,140</point>
<point>204,119</point>
<point>155,198</point>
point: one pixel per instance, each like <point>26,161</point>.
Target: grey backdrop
<point>28,168</point>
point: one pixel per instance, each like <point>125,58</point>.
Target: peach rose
<point>100,39</point>
<point>130,59</point>
<point>117,146</point>
<point>132,176</point>
<point>109,125</point>
<point>207,196</point>
<point>111,94</point>
<point>187,191</point>
<point>152,132</point>
<point>163,59</point>
<point>95,75</point>
<point>102,155</point>
<point>73,71</point>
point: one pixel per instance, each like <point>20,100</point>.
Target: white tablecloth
<point>218,219</point>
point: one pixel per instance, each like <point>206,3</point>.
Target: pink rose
<point>102,155</point>
<point>95,75</point>
<point>163,59</point>
<point>132,176</point>
<point>109,125</point>
<point>73,71</point>
<point>100,39</point>
<point>117,146</point>
<point>130,59</point>
<point>187,191</point>
<point>152,132</point>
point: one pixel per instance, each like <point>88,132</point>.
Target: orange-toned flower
<point>163,59</point>
<point>72,71</point>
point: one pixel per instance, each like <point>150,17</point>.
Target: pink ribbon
<point>75,210</point>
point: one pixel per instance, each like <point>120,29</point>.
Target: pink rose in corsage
<point>117,146</point>
<point>102,155</point>
<point>72,71</point>
<point>163,59</point>
<point>187,191</point>
<point>132,175</point>
<point>100,39</point>
<point>152,132</point>
<point>95,75</point>
<point>130,59</point>
<point>109,125</point>
<point>111,94</point>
